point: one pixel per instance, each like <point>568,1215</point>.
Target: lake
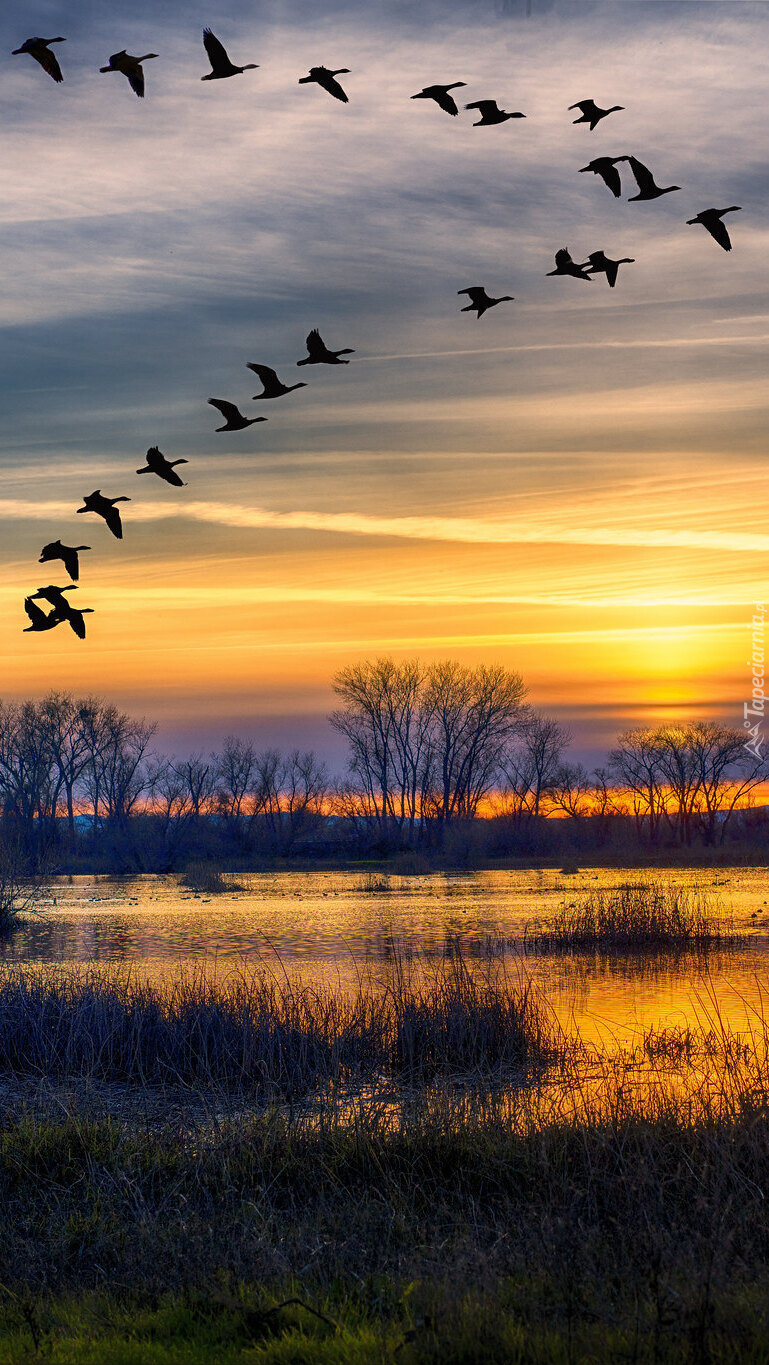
<point>332,927</point>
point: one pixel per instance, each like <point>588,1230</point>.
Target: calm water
<point>330,926</point>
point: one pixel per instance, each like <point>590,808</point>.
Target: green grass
<point>378,1323</point>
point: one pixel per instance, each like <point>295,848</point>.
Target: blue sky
<point>574,485</point>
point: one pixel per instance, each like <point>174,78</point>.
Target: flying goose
<point>40,620</point>
<point>233,417</point>
<point>647,188</point>
<point>221,66</point>
<point>564,265</point>
<point>322,76</point>
<point>319,354</point>
<point>591,113</point>
<point>480,300</point>
<point>55,596</point>
<point>105,507</point>
<point>601,264</point>
<point>158,464</point>
<point>68,554</point>
<point>74,617</point>
<point>605,167</point>
<point>272,386</point>
<point>130,67</point>
<point>62,609</point>
<point>490,113</point>
<point>711,219</point>
<point>440,93</point>
<point>38,48</point>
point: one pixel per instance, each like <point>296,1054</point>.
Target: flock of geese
<point>61,611</point>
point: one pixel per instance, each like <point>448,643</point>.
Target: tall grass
<point>269,1035</point>
<point>636,917</point>
<point>208,878</point>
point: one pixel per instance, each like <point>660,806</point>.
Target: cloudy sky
<point>574,486</point>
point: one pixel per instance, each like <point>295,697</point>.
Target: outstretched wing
<point>446,101</point>
<point>77,622</point>
<point>315,344</point>
<point>642,173</point>
<point>717,229</point>
<point>331,84</point>
<point>484,107</point>
<point>217,53</point>
<point>610,176</point>
<point>476,295</point>
<point>47,60</point>
<point>563,257</point>
<point>268,377</point>
<point>112,518</point>
<point>70,561</point>
<point>135,76</point>
<point>228,410</point>
<point>35,613</point>
<point>585,106</point>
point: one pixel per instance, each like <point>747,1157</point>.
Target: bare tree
<point>236,769</point>
<point>474,712</point>
<point>69,733</point>
<point>635,765</point>
<point>119,773</point>
<point>531,765</point>
<point>572,791</point>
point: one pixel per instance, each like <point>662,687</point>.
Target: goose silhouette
<point>130,67</point>
<point>480,301</point>
<point>233,417</point>
<point>63,609</point>
<point>68,554</point>
<point>55,596</point>
<point>647,187</point>
<point>158,464</point>
<point>221,66</point>
<point>38,48</point>
<point>440,93</point>
<point>564,265</point>
<point>272,387</point>
<point>319,354</point>
<point>105,507</point>
<point>601,264</point>
<point>711,220</point>
<point>591,113</point>
<point>320,75</point>
<point>39,619</point>
<point>490,113</point>
<point>74,617</point>
<point>605,166</point>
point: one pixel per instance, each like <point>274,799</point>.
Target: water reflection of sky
<point>335,927</point>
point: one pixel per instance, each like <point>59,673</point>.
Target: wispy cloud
<point>459,530</point>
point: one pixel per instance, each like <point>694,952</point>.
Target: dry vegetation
<point>639,918</point>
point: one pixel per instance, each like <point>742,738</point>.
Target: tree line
<point>432,749</point>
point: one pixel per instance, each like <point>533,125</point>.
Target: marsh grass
<point>644,917</point>
<point>597,1220</point>
<point>375,884</point>
<point>270,1034</point>
<point>208,878</point>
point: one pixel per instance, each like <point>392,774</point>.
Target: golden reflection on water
<point>336,927</point>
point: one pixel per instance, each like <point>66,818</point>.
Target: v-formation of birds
<point>605,167</point>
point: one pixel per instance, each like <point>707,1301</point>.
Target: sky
<point>574,485</point>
